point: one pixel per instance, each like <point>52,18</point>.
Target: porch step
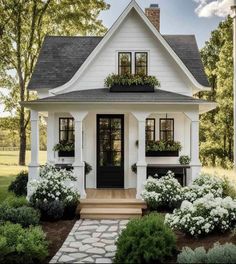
<point>112,203</point>
<point>111,208</point>
<point>110,213</point>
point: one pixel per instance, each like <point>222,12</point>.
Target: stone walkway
<point>90,241</point>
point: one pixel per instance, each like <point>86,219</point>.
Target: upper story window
<point>166,129</point>
<point>125,62</point>
<point>150,129</point>
<point>141,63</point>
<point>66,129</point>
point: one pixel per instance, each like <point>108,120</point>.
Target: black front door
<point>110,151</point>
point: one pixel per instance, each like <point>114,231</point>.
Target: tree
<point>216,130</point>
<point>23,26</point>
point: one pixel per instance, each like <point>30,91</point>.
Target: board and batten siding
<point>133,35</point>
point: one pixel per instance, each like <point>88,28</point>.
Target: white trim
<point>111,31</point>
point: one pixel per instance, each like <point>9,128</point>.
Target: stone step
<point>112,203</point>
<point>110,213</point>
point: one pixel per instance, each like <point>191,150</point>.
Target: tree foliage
<point>23,26</point>
<point>216,130</point>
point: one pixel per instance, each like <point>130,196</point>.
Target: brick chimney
<point>153,14</point>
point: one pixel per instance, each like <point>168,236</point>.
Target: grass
<point>9,169</point>
<point>230,174</point>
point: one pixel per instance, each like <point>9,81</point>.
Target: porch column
<point>50,138</point>
<point>141,163</point>
<point>78,162</point>
<point>34,164</point>
<point>194,146</point>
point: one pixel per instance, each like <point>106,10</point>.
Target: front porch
<point>105,128</point>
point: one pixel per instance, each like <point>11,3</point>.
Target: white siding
<point>133,35</point>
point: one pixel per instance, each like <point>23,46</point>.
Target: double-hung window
<point>66,129</point>
<point>150,129</point>
<point>125,62</point>
<point>166,129</point>
<point>141,63</point>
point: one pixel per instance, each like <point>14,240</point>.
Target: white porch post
<point>50,138</point>
<point>194,146</point>
<point>141,164</point>
<point>34,164</point>
<point>79,163</point>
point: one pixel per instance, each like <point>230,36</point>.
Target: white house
<point>104,125</point>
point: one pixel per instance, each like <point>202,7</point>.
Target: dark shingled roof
<point>61,57</point>
<point>104,95</point>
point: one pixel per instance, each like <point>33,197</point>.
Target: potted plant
<point>65,149</point>
<point>184,160</point>
<point>131,83</point>
<point>163,148</point>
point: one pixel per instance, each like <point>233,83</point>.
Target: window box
<point>132,88</point>
<point>62,153</point>
<point>165,153</point>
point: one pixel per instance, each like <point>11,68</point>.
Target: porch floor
<point>111,204</point>
<point>111,193</point>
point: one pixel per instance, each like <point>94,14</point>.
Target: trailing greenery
<point>218,254</point>
<point>20,246</point>
<point>131,79</point>
<point>134,168</point>
<point>216,126</point>
<point>64,146</point>
<point>162,145</point>
<point>19,185</point>
<point>184,160</point>
<point>145,240</point>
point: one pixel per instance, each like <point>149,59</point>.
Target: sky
<point>198,17</point>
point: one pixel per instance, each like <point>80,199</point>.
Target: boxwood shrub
<point>20,246</point>
<point>19,185</point>
<point>146,240</point>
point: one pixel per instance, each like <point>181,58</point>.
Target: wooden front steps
<point>111,208</point>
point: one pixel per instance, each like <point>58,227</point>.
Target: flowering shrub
<point>54,185</point>
<point>163,192</point>
<point>204,215</point>
<point>204,185</point>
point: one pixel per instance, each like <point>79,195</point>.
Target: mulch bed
<point>56,233</point>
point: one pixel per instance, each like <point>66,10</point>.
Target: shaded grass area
<point>9,169</point>
<point>11,157</point>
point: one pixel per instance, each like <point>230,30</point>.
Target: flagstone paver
<point>90,241</point>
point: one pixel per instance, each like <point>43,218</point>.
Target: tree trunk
<point>22,137</point>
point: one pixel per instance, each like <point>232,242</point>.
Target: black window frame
<point>141,52</point>
<point>152,130</point>
<point>67,130</point>
<point>167,130</point>
<point>119,66</point>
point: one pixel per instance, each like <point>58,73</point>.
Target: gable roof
<point>132,6</point>
<point>61,57</point>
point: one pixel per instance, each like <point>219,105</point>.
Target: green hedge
<point>146,240</point>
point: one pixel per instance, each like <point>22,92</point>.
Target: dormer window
<point>141,63</point>
<point>125,62</point>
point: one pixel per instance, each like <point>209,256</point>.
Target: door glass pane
<point>103,159</point>
<point>116,134</point>
<point>115,123</point>
<point>116,145</point>
<point>116,158</point>
<point>104,134</point>
<point>104,145</point>
<point>104,123</point>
